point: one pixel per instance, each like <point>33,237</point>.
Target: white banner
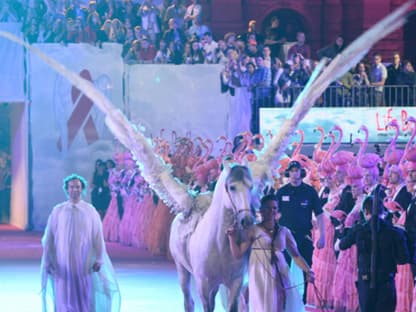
<point>177,98</point>
<point>349,119</point>
<point>68,133</point>
<point>12,65</point>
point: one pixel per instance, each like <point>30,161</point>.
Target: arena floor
<point>147,284</point>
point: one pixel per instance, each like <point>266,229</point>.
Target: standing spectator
<point>74,261</point>
<point>300,47</point>
<point>252,49</point>
<point>332,50</point>
<point>92,28</point>
<point>394,71</point>
<point>193,12</point>
<point>149,15</point>
<point>252,32</point>
<point>175,40</point>
<point>275,38</point>
<point>408,78</point>
<point>5,186</point>
<point>176,11</point>
<point>297,201</point>
<point>360,85</point>
<point>220,52</point>
<point>378,76</point>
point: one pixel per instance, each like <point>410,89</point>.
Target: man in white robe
<point>76,271</point>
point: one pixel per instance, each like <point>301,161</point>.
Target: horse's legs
<point>234,294</point>
<point>206,294</point>
<point>184,282</point>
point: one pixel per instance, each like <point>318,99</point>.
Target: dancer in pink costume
<point>142,224</point>
<point>129,199</point>
<point>345,292</point>
<point>157,238</point>
<point>111,220</point>
<point>323,260</point>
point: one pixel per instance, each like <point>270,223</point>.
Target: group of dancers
<point>342,179</point>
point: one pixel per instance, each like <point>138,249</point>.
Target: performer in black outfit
<point>297,201</point>
<point>380,248</point>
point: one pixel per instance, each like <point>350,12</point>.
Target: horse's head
<point>238,185</point>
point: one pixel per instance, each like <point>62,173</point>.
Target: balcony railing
<point>339,96</point>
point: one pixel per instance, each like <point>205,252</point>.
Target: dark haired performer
<point>76,271</point>
<point>376,286</point>
<point>297,201</point>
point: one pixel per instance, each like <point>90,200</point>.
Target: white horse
<point>200,246</point>
<point>199,242</point>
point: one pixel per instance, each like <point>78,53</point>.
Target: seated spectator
<point>57,33</point>
<point>197,54</point>
<point>31,31</point>
<point>104,34</point>
<point>117,31</point>
<point>75,31</point>
<point>132,56</point>
<point>129,41</point>
<point>229,39</point>
<point>300,47</point>
<point>187,56</point>
<point>163,54</point>
<point>176,11</point>
<point>147,51</point>
<point>220,53</point>
<point>197,30</point>
<point>209,47</point>
<point>7,13</point>
<point>139,32</point>
<point>332,50</point>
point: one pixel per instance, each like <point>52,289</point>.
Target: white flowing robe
<point>72,243</point>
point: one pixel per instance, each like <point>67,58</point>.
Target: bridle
<point>234,206</point>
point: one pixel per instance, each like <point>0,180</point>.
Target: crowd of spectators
<point>267,62</point>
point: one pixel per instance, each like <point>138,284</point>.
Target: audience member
<point>300,47</point>
<point>378,76</point>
